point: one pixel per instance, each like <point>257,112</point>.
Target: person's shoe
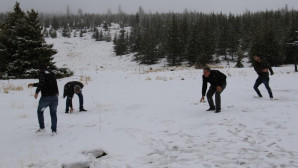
<point>40,131</point>
<point>81,110</point>
<point>211,109</point>
<point>217,111</point>
<point>66,112</point>
<point>54,133</point>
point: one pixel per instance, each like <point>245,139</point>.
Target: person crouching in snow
<point>70,89</point>
<point>218,83</point>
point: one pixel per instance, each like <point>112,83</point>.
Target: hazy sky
<point>131,6</point>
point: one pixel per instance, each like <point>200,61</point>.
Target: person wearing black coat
<point>71,88</point>
<point>48,87</point>
<point>262,68</point>
<point>218,83</point>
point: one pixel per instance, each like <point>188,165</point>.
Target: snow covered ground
<point>150,119</point>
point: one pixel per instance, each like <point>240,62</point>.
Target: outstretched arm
<point>204,89</point>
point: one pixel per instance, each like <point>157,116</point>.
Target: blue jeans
<point>52,103</point>
<point>69,101</point>
<point>265,81</point>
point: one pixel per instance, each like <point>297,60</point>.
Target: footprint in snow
<point>97,153</point>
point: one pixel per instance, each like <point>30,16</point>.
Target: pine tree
<point>120,43</point>
<point>95,35</point>
<point>46,23</point>
<point>207,48</point>
<point>240,56</point>
<point>55,23</point>
<point>66,31</point>
<point>11,29</point>
<point>265,45</point>
<point>174,51</point>
<point>22,42</point>
<point>53,33</point>
<point>107,37</point>
<point>81,33</point>
<point>105,26</point>
<point>37,49</point>
<point>184,35</point>
<point>148,53</point>
<point>193,48</point>
<point>135,36</point>
<point>100,37</point>
<point>222,42</point>
<point>233,42</point>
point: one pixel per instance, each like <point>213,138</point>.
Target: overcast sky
<point>131,6</point>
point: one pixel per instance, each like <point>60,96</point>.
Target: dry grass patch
<point>85,79</point>
<point>165,69</point>
<point>17,105</point>
<point>23,115</point>
<point>10,87</point>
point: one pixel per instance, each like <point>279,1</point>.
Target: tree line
<point>198,38</point>
<point>190,37</point>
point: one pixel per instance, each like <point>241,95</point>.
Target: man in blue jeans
<point>48,87</point>
<point>262,68</point>
<point>71,88</point>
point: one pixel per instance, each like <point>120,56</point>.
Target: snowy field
<point>150,119</point>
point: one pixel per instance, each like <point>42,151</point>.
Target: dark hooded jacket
<point>216,78</point>
<point>47,84</point>
<point>69,88</point>
<point>260,66</point>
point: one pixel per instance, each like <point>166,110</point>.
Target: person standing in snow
<point>218,83</point>
<point>262,68</point>
<point>48,87</point>
<point>70,89</point>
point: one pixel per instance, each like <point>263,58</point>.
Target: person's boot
<point>217,111</point>
<point>82,110</point>
<point>211,109</point>
<point>40,131</point>
<point>54,133</point>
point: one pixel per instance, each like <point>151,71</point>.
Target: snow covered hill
<point>149,118</point>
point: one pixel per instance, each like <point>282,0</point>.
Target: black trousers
<point>212,90</point>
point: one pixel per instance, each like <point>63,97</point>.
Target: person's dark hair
<point>257,54</point>
<point>42,67</point>
<point>207,69</point>
<point>77,88</point>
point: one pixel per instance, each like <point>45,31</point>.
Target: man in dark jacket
<point>262,68</point>
<point>49,98</point>
<point>70,89</point>
<point>218,83</point>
